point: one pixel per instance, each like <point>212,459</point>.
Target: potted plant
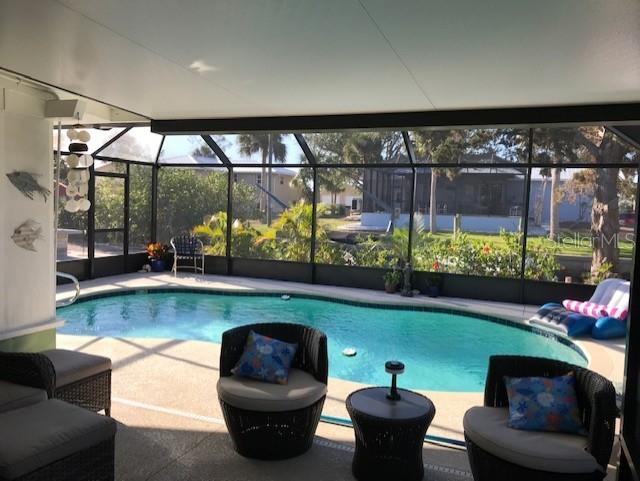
<point>392,279</point>
<point>157,253</point>
<point>434,284</point>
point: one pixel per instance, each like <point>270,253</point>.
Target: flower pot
<point>157,265</point>
<point>390,288</point>
<point>433,291</point>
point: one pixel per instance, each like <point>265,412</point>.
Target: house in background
<point>486,199</point>
<point>350,198</point>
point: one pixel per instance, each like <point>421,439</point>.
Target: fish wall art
<point>26,234</point>
<point>28,185</point>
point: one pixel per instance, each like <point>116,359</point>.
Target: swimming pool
<point>442,351</point>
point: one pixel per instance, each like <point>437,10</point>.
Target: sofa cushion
<point>552,452</point>
<point>544,404</point>
<point>14,396</point>
<point>72,366</point>
<point>37,435</point>
<point>266,359</point>
<point>301,391</point>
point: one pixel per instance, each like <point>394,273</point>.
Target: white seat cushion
<point>301,391</point>
<point>552,452</point>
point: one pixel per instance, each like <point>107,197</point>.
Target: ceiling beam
<point>529,116</point>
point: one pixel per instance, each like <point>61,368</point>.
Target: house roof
<point>190,160</point>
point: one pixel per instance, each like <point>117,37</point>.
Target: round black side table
<point>389,434</point>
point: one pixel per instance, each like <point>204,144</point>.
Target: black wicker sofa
<point>45,438</point>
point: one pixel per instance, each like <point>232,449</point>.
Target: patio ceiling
<point>197,58</point>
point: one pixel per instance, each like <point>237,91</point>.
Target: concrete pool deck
<point>172,382</point>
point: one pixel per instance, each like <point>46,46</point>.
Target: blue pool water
<point>441,351</point>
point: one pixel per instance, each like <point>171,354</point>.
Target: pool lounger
<point>556,317</point>
<point>613,293</point>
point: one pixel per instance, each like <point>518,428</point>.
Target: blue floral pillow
<point>544,404</point>
<point>265,359</point>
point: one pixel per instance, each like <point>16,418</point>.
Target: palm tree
<point>437,147</point>
<point>213,230</point>
<point>303,182</point>
<point>553,173</point>
<point>272,149</point>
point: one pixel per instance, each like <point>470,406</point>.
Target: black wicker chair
<point>596,397</point>
<point>275,434</point>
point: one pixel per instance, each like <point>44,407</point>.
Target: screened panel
<point>363,216</point>
<point>109,244</point>
<point>109,208</point>
<point>272,213</point>
<point>460,146</point>
<point>469,221</point>
<point>193,200</point>
<point>358,147</point>
<point>581,224</point>
<point>138,144</point>
<point>71,234</point>
<point>261,148</point>
<point>109,166</point>
<point>587,145</point>
<point>99,137</point>
<point>187,150</point>
<point>139,207</point>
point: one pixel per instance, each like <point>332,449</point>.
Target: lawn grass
<point>574,243</point>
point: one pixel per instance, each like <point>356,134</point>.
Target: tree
<point>290,236</point>
<point>187,196</point>
<point>213,230</point>
<point>272,149</point>
<point>556,195</point>
<point>436,147</point>
<point>597,145</point>
<point>139,204</point>
<point>333,181</point>
<point>303,181</point>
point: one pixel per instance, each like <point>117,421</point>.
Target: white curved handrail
<point>75,280</point>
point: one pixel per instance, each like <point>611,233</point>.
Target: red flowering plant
<point>157,251</point>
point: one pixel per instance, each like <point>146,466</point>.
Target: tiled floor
<point>171,424</point>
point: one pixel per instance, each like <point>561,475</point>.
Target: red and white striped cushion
<point>587,308</point>
<point>617,312</point>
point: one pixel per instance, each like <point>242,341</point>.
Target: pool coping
<point>210,290</point>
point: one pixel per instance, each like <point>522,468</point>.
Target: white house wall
<point>27,283</point>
